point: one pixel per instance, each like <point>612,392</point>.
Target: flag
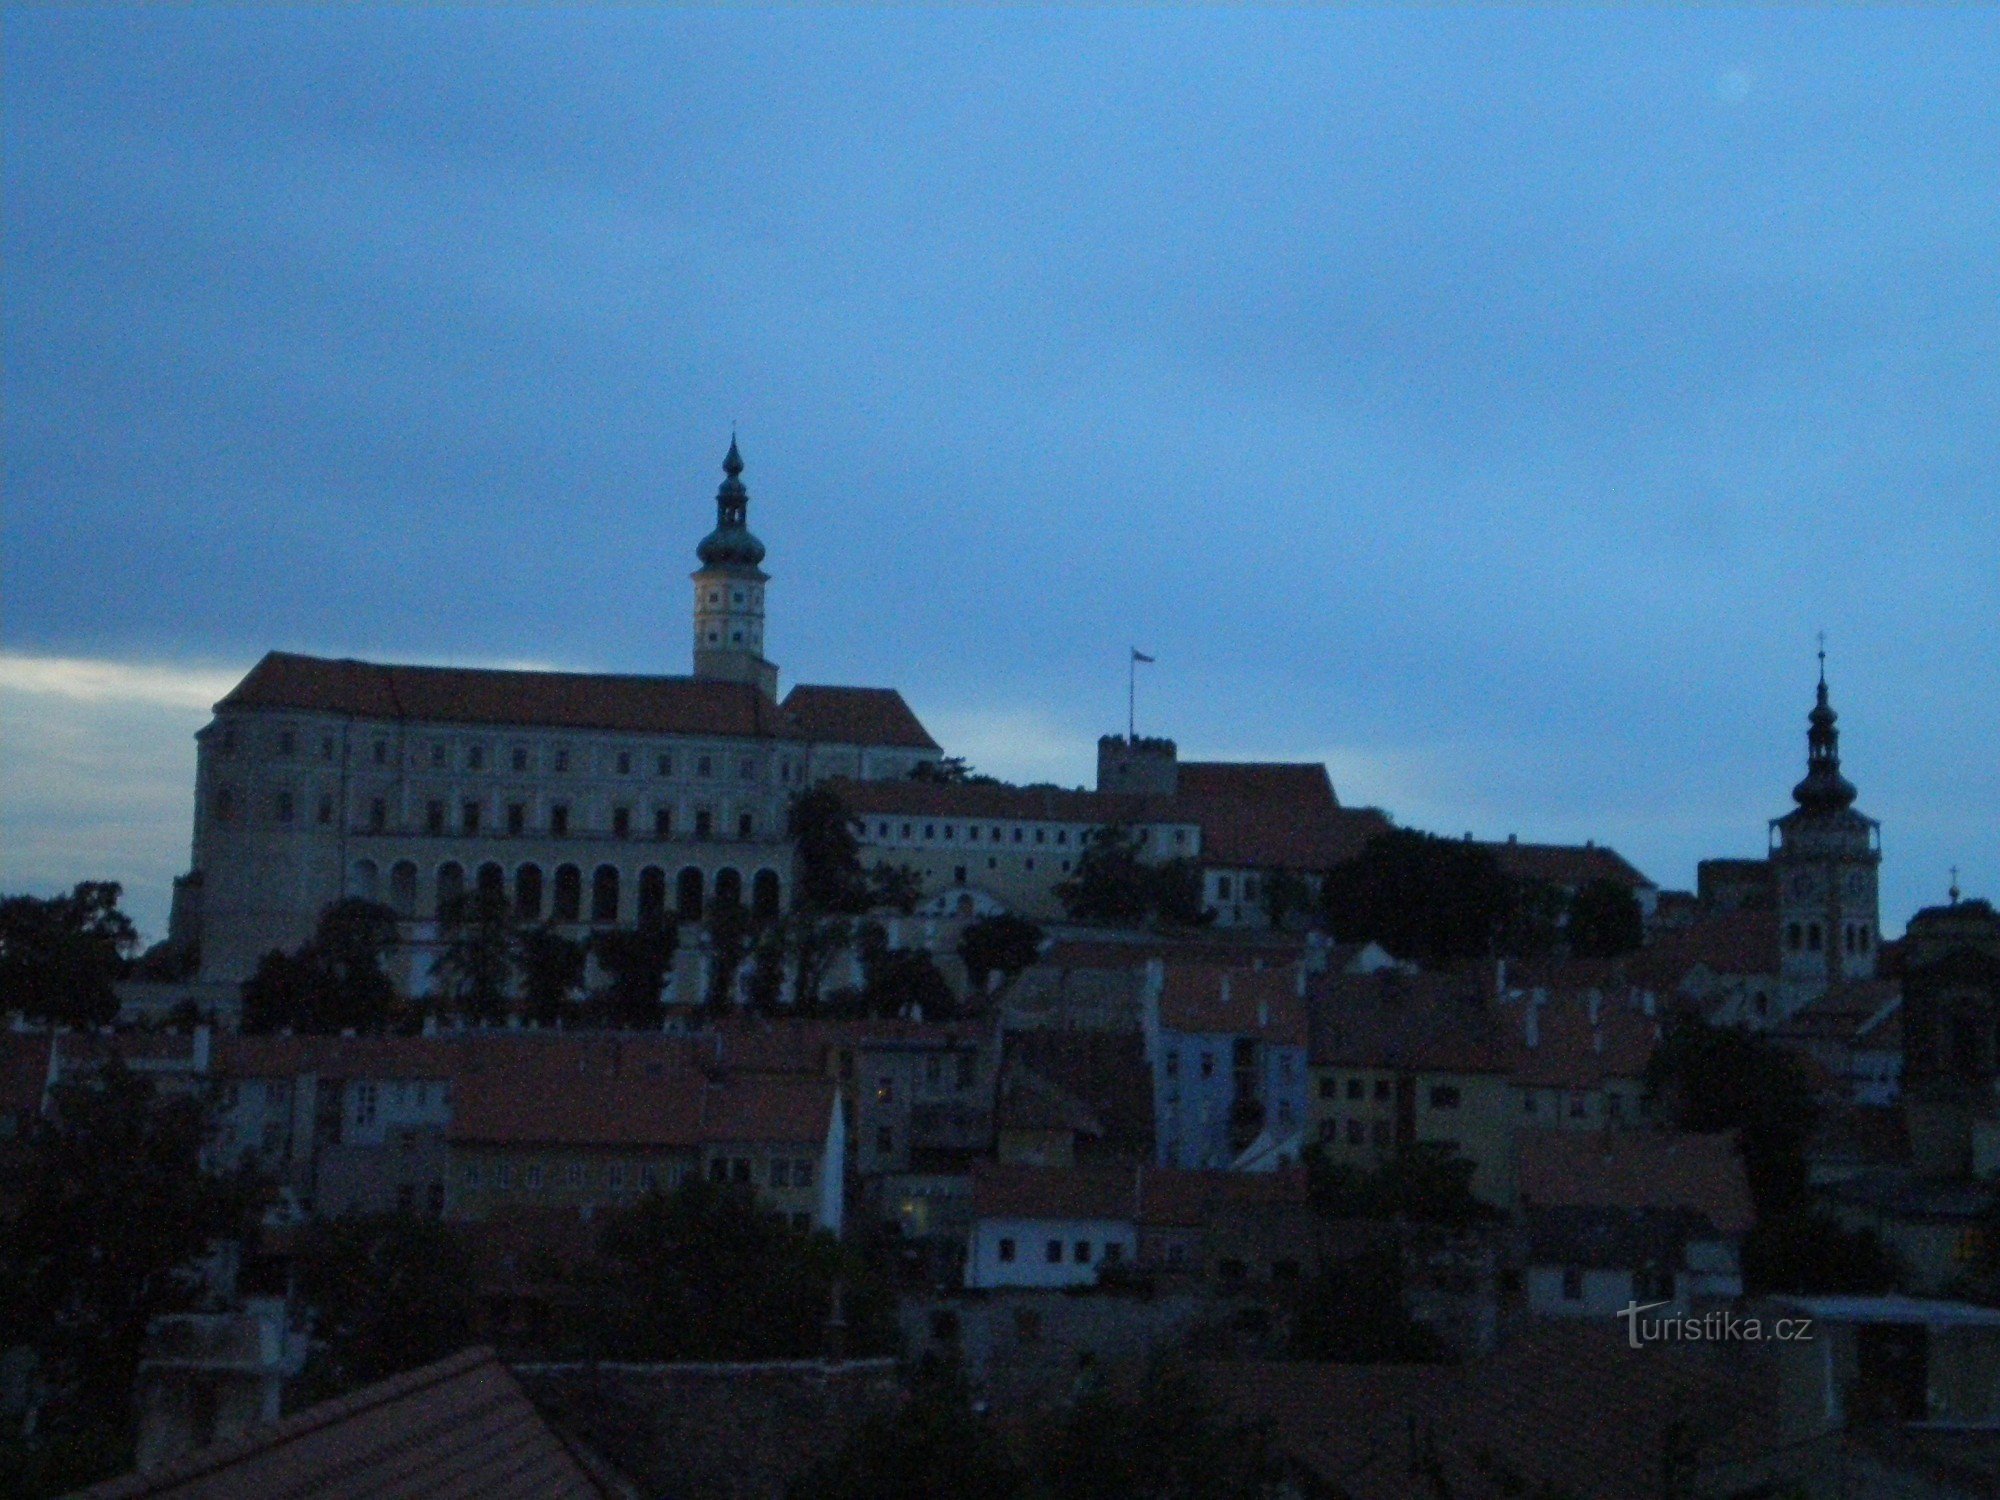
<point>1138,655</point>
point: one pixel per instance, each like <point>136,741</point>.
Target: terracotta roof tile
<point>482,695</point>
<point>1105,1071</point>
<point>1636,1169</point>
<point>1247,1002</point>
<point>1136,1194</point>
<point>1573,1052</point>
<point>1744,941</point>
<point>1424,1022</point>
<point>1273,815</point>
<point>855,716</point>
<point>460,1428</point>
<point>1565,864</point>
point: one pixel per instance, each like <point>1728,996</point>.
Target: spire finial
<point>732,463</point>
<point>1822,658</point>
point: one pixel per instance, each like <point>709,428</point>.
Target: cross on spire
<point>1822,658</point>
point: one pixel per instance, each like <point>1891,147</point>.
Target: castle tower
<point>729,591</point>
<point>1824,858</point>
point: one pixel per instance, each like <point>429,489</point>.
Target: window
<point>520,760</point>
<point>614,1177</point>
<point>1527,1103</point>
<point>1579,1106</point>
<point>1222,887</point>
<point>663,822</point>
<point>624,762</point>
<point>1208,1065</point>
<point>437,755</point>
<point>1053,1253</point>
<point>885,1140</point>
<point>475,757</point>
<point>381,752</point>
<point>364,1104</point>
<point>663,766</point>
<point>704,823</point>
<point>378,815</point>
<point>1382,1088</point>
<point>562,760</point>
<point>1812,937</point>
<point>1380,1133</point>
<point>703,767</point>
<point>1614,1105</point>
<point>1357,1088</point>
<point>469,817</point>
<point>434,817</point>
<point>718,1169</point>
<point>621,822</point>
<point>283,807</point>
<point>1173,1062</point>
<point>739,1170</point>
<point>517,817</point>
<point>958,874</point>
<point>1006,1250</point>
<point>1357,1133</point>
<point>781,1173</point>
<point>1113,1253</point>
<point>1572,1283</point>
<point>534,1178</point>
<point>968,1065</point>
<point>1081,1252</point>
<point>746,825</point>
<point>469,1175</point>
<point>326,809</point>
<point>559,818</point>
<point>1444,1096</point>
<point>802,1173</point>
<point>747,770</point>
<point>503,1175</point>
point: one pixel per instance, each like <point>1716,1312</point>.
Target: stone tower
<point>729,591</point>
<point>1824,858</point>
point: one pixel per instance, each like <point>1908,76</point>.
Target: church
<point>580,798</point>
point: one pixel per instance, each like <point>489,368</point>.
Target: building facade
<point>584,799</point>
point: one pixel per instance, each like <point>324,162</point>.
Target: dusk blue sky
<point>1492,404</point>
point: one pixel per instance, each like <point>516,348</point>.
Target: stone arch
<point>728,887</point>
<point>687,895</point>
<point>765,894</point>
<point>450,888</point>
<point>528,893</point>
<point>652,893</point>
<point>403,889</point>
<point>364,879</point>
<point>491,883</point>
<point>568,903</point>
<point>604,894</point>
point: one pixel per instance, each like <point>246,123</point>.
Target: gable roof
<point>462,1427</point>
<point>560,1100</point>
<point>506,697</point>
<point>1387,1019</point>
<point>1565,864</point>
<point>1636,1169</point>
<point>1574,1051</point>
<point>1247,1002</point>
<point>1273,815</point>
<point>855,716</point>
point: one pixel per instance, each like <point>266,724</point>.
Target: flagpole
<point>1132,696</point>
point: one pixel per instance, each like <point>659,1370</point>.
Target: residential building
<point>1227,1048</point>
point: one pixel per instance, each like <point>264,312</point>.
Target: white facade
<point>1047,1252</point>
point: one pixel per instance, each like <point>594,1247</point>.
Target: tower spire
<point>1824,789</point>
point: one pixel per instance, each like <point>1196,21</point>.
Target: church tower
<point>1824,858</point>
<point>729,591</point>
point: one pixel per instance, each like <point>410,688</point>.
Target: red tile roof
<point>460,1428</point>
<point>1565,864</point>
<point>855,716</point>
<point>1247,1002</point>
<point>573,1100</point>
<point>1135,1194</point>
<point>1183,1198</point>
<point>481,695</point>
<point>1744,941</point>
<point>1572,1052</point>
<point>1272,815</point>
<point>1423,1022</point>
<point>1636,1169</point>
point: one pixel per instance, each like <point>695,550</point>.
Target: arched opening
<point>403,889</point>
<point>568,905</point>
<point>491,885</point>
<point>450,889</point>
<point>604,894</point>
<point>364,879</point>
<point>687,895</point>
<point>728,888</point>
<point>652,894</point>
<point>528,893</point>
<point>764,893</point>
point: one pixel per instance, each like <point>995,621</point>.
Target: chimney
<point>836,1325</point>
<point>1225,987</point>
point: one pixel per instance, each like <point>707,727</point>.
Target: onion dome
<point>731,545</point>
<point>1824,790</point>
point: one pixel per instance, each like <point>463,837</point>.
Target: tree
<point>1164,1439</point>
<point>1810,1254</point>
<point>97,1236</point>
<point>332,982</point>
<point>1534,924</point>
<point>1716,1078</point>
<point>637,960</point>
<point>814,942</point>
<point>1419,896</point>
<point>1286,895</point>
<point>728,930</point>
<point>388,1292</point>
<point>1426,1183</point>
<point>932,1447</point>
<point>706,1274</point>
<point>901,981</point>
<point>950,771</point>
<point>61,958</point>
<point>822,828</point>
<point>1109,883</point>
<point>1604,920</point>
<point>1005,944</point>
<point>897,887</point>
<point>550,967</point>
<point>767,967</point>
<point>477,964</point>
<point>1353,1312</point>
<point>1174,893</point>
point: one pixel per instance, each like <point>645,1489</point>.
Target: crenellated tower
<point>729,591</point>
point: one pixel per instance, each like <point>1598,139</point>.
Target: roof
<point>1574,1051</point>
<point>1565,864</point>
<point>461,1427</point>
<point>967,799</point>
<point>1613,1238</point>
<point>1244,1002</point>
<point>24,1071</point>
<point>495,696</point>
<point>1636,1169</point>
<point>1743,941</point>
<point>855,716</point>
<point>1132,1194</point>
<point>1104,1071</point>
<point>1388,1019</point>
<point>567,1100</point>
<point>1272,815</point>
<point>1563,1408</point>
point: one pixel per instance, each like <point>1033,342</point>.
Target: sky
<point>1493,404</point>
